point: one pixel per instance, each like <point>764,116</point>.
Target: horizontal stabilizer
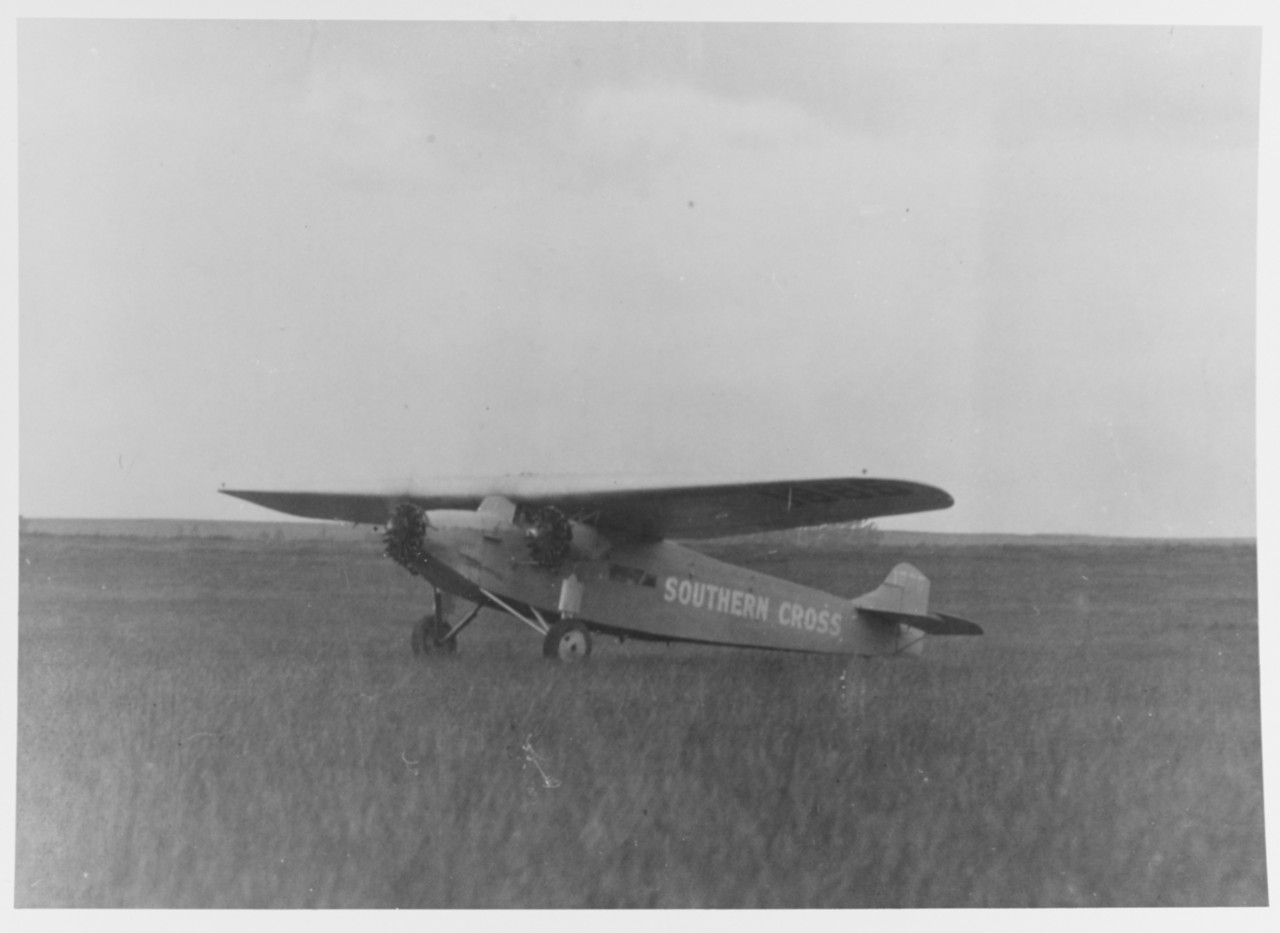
<point>935,623</point>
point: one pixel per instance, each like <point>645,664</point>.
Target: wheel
<point>567,640</point>
<point>428,637</point>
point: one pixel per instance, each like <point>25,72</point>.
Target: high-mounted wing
<point>356,508</point>
<point>648,508</point>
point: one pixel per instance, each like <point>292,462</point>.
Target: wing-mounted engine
<point>549,535</point>
<point>554,539</point>
<point>405,536</point>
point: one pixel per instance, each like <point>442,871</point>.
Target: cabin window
<point>631,575</point>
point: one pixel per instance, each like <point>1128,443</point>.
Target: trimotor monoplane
<point>577,557</point>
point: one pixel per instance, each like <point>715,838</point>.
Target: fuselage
<point>646,589</point>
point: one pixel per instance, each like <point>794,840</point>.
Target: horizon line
<point>348,525</point>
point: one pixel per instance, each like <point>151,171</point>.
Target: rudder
<point>903,599</point>
<point>905,590</point>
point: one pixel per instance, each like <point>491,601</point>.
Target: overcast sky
<point>1014,262</point>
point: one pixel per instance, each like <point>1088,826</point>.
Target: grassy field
<point>240,724</point>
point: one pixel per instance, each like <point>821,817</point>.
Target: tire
<point>568,640</point>
<point>428,638</point>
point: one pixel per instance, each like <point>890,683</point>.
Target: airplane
<point>577,557</point>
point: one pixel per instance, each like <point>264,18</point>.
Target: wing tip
<point>959,626</point>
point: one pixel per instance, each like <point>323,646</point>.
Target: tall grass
<point>231,724</point>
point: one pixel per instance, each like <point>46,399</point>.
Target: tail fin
<point>905,590</point>
<point>904,598</point>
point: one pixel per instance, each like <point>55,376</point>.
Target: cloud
<point>365,121</point>
<point>373,250</point>
<point>661,121</point>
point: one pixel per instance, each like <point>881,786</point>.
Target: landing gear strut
<point>431,637</point>
<point>567,640</point>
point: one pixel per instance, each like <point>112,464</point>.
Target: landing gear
<point>430,637</point>
<point>567,640</point>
